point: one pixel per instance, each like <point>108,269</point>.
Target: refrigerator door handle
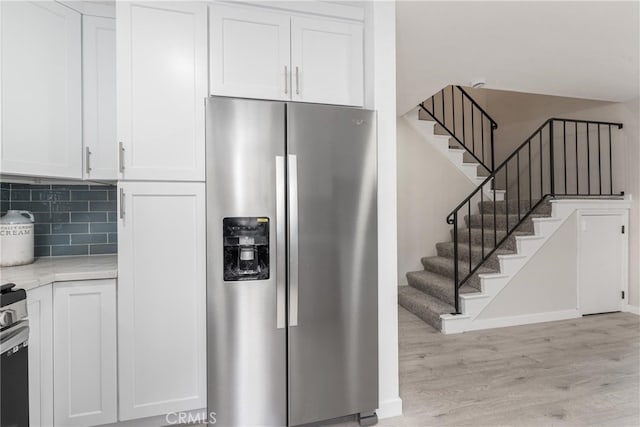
<point>293,239</point>
<point>281,265</point>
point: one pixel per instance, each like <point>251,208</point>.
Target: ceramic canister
<point>16,238</point>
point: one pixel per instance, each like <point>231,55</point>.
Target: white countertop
<point>60,269</point>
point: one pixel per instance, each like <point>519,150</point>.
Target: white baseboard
<point>627,308</point>
<point>390,408</point>
<point>525,319</point>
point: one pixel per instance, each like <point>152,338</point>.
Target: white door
<point>84,353</point>
<point>41,102</point>
<point>40,310</point>
<point>327,61</point>
<point>161,298</point>
<point>250,53</point>
<point>162,86</point>
<point>99,97</point>
<point>602,263</point>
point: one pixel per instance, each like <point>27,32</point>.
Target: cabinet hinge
<point>623,229</point>
<point>622,294</point>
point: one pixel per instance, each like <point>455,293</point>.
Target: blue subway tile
<point>42,228</point>
<point>49,195</point>
<point>69,250</point>
<point>113,195</point>
<point>112,216</point>
<point>42,251</point>
<point>30,206</point>
<point>69,206</point>
<point>104,227</point>
<point>69,228</point>
<point>88,238</point>
<point>96,206</point>
<point>89,195</point>
<point>4,194</point>
<point>103,249</point>
<point>113,237</point>
<point>70,187</point>
<point>88,217</point>
<point>20,195</point>
<point>30,186</point>
<point>5,185</point>
<point>51,239</point>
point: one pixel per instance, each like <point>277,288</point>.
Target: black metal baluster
<point>530,176</point>
<point>464,130</point>
<point>506,193</point>
<point>482,135</point>
<point>453,109</point>
<point>610,164</point>
<point>599,161</point>
<point>444,116</point>
<point>577,171</point>
<point>495,223</point>
<point>564,150</point>
<point>456,273</point>
<point>433,105</point>
<point>469,207</point>
<point>482,220</point>
<point>518,176</point>
<point>588,161</point>
<point>493,156</point>
<point>473,130</point>
<point>552,168</point>
<point>541,172</point>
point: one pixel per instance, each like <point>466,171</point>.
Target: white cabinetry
<point>99,96</point>
<point>40,90</point>
<point>257,53</point>
<point>250,53</point>
<point>162,85</point>
<point>161,298</point>
<point>85,372</point>
<point>327,61</point>
<point>39,308</point>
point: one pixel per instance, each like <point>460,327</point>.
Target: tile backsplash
<point>69,219</point>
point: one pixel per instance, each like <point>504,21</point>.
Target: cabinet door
<point>40,90</point>
<point>84,353</point>
<point>40,309</point>
<point>99,95</point>
<point>327,61</point>
<point>250,51</point>
<point>162,85</point>
<point>161,298</point>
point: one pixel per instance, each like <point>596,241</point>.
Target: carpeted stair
<point>431,292</point>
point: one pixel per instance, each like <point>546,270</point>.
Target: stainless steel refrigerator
<point>292,300</point>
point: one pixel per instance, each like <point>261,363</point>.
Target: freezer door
<point>333,303</point>
<point>246,276</point>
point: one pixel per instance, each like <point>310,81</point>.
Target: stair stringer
<point>454,155</point>
<point>471,305</point>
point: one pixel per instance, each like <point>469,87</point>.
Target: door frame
<point>623,214</point>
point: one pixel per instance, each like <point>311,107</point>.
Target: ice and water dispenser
<point>246,248</point>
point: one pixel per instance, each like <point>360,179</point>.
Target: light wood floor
<point>577,372</point>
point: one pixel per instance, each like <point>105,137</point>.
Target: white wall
<point>429,187</point>
<point>385,97</point>
<point>548,283</point>
<point>579,49</point>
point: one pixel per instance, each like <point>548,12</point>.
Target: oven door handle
<point>14,338</point>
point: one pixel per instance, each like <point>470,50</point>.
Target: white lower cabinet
<point>39,308</point>
<point>161,298</point>
<point>85,371</point>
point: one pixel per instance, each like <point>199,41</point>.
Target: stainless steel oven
<point>14,360</point>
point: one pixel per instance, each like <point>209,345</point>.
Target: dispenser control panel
<point>246,248</point>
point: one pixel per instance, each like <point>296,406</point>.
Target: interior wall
<point>552,271</point>
<point>429,187</point>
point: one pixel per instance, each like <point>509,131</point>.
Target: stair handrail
<point>453,219</point>
<point>449,103</point>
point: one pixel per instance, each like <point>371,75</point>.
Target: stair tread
<point>448,263</point>
<point>438,281</point>
<point>477,248</point>
<point>421,300</point>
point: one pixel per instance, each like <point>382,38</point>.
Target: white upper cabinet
<point>161,298</point>
<point>327,61</point>
<point>162,86</point>
<point>249,53</point>
<point>259,53</point>
<point>41,129</point>
<point>99,96</point>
